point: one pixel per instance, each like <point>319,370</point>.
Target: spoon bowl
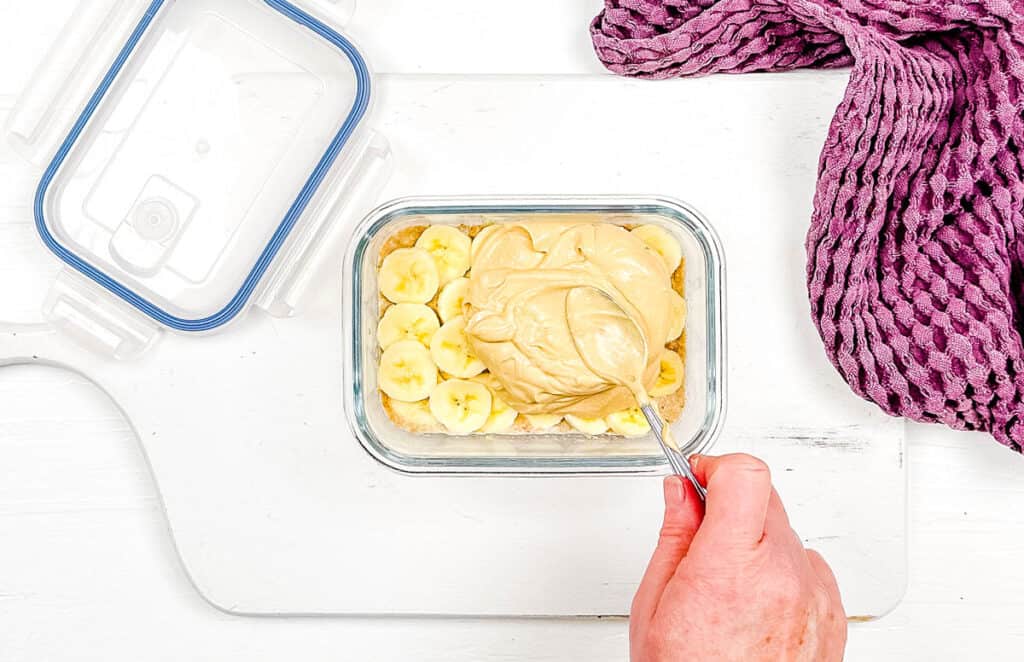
<point>613,346</point>
<point>608,340</point>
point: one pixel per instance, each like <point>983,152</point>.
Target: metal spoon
<point>680,463</point>
<point>592,315</point>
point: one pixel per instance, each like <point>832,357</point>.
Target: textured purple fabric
<point>915,252</point>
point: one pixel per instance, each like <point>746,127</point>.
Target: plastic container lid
<point>198,153</point>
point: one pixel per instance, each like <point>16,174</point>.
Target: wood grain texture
<point>88,572</point>
<point>275,507</point>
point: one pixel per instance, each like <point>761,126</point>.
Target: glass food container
<point>536,453</point>
<point>191,153</point>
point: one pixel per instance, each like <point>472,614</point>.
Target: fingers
<point>836,614</point>
<point>739,493</point>
<point>824,572</point>
<point>683,514</point>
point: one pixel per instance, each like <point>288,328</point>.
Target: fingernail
<point>675,491</point>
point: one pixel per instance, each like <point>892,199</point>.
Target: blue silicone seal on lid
<point>184,227</point>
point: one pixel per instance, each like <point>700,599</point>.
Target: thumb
<point>683,515</point>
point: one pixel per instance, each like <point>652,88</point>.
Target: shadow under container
<point>536,454</point>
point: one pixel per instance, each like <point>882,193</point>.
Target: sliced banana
<point>450,248</point>
<point>407,373</point>
<point>407,321</point>
<point>679,313</point>
<point>453,295</point>
<point>593,426</point>
<point>629,423</point>
<point>663,243</point>
<point>451,352</point>
<point>415,416</point>
<point>462,406</point>
<point>502,417</point>
<point>670,375</point>
<point>543,421</point>
<point>409,275</point>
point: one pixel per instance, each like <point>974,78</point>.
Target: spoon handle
<point>680,464</point>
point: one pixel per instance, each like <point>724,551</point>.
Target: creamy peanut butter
<point>551,352</point>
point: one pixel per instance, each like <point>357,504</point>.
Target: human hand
<point>734,582</point>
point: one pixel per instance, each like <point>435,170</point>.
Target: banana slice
<point>679,314</point>
<point>453,295</point>
<point>451,352</point>
<point>670,375</point>
<point>409,275</point>
<point>461,406</point>
<point>450,249</point>
<point>629,423</point>
<point>407,372</point>
<point>543,421</point>
<point>592,426</point>
<point>663,243</point>
<point>502,416</point>
<point>414,416</point>
<point>407,321</point>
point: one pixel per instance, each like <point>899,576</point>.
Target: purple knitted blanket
<point>915,264</point>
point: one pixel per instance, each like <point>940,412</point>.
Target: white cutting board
<point>276,509</point>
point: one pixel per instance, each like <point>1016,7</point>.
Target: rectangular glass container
<point>536,453</point>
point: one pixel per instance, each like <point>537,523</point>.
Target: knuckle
<point>750,464</point>
<point>818,560</point>
<point>787,589</point>
<point>673,533</point>
<point>822,600</point>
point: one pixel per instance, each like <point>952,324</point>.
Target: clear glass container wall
<point>530,454</point>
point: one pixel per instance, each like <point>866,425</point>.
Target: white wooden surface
<point>88,571</point>
<point>275,508</point>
